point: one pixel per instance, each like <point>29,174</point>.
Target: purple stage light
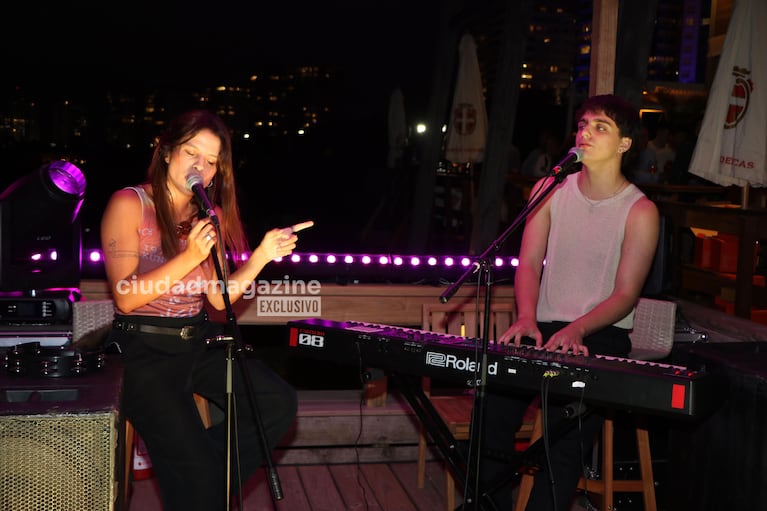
<point>67,178</point>
<point>41,230</point>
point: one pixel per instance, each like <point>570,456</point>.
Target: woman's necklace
<point>184,227</point>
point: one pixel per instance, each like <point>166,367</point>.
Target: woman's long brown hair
<point>221,190</point>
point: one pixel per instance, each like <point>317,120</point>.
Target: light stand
<point>483,266</point>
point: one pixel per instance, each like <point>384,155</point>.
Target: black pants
<point>161,375</point>
<point>503,417</point>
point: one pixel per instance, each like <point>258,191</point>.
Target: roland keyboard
<point>614,382</point>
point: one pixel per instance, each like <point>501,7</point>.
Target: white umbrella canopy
<point>467,129</point>
<point>732,143</point>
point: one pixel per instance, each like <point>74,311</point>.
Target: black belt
<point>185,332</point>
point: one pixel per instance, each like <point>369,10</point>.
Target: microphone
<point>194,185</point>
<point>574,155</point>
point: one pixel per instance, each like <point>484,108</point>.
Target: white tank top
<point>584,248</point>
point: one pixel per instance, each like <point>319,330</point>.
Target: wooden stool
<point>202,406</point>
<point>607,485</point>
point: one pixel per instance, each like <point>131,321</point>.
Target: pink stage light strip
<point>365,260</point>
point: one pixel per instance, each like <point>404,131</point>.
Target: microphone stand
<point>239,350</point>
<point>484,266</point>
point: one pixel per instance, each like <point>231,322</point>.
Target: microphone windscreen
<point>193,179</point>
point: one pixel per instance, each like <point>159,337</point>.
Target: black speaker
<point>59,441</point>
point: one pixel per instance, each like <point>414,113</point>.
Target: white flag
<point>732,143</point>
<point>467,129</point>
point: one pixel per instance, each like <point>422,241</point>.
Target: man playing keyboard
<point>597,234</point>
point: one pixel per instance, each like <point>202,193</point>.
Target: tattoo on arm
<point>114,252</point>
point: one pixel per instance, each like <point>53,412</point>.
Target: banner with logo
<point>467,128</point>
<point>732,143</point>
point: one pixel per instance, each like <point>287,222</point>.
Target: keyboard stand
<point>456,458</point>
<point>434,425</point>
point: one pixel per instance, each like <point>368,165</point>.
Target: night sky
<point>166,44</point>
<point>86,48</point>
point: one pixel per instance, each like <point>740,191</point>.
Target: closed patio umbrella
<point>467,129</point>
<point>732,143</point>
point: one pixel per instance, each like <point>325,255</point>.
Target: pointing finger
<point>302,226</point>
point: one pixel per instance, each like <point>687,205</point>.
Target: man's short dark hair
<point>622,112</point>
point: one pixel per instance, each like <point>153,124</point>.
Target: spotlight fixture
<point>40,231</point>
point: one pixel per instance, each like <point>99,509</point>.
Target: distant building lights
<point>420,128</point>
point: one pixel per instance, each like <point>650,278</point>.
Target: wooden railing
<point>390,304</point>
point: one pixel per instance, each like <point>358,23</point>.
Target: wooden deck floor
<point>363,486</point>
<point>342,487</point>
<point>340,455</point>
